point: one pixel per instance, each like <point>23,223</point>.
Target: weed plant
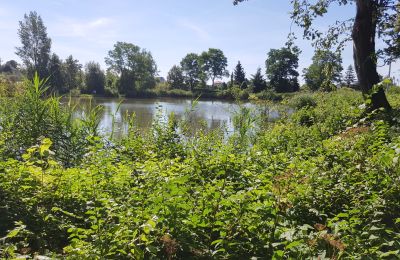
<point>320,183</point>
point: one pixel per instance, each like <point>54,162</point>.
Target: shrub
<point>303,101</point>
<point>29,117</point>
<point>321,182</point>
<point>269,95</point>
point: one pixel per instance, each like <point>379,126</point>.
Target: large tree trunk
<point>363,35</point>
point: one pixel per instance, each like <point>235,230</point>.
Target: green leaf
<point>342,215</point>
<point>143,238</point>
<point>278,254</point>
<point>13,233</point>
<point>294,244</point>
<point>217,241</point>
<point>390,253</point>
<point>373,237</point>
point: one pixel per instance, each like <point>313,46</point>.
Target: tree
<point>111,85</point>
<point>35,49</point>
<point>135,66</point>
<point>324,72</point>
<point>349,77</point>
<point>94,78</point>
<point>73,73</point>
<point>281,67</point>
<point>10,66</point>
<point>214,64</point>
<point>175,78</point>
<point>373,18</point>
<point>191,70</point>
<point>239,75</point>
<point>57,75</point>
<point>258,82</point>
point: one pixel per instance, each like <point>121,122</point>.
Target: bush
<point>269,95</point>
<point>26,119</point>
<point>303,101</point>
<point>239,94</point>
<point>10,86</point>
<point>322,182</point>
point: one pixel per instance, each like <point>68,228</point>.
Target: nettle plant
<point>324,188</point>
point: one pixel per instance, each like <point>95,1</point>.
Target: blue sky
<point>170,29</point>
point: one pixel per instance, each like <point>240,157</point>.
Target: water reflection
<point>214,114</point>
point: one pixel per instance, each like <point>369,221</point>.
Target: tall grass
<point>33,115</point>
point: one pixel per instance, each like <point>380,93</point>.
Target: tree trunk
<point>364,31</point>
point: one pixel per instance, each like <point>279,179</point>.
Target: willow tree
<point>373,19</point>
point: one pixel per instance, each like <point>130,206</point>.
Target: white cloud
<point>197,30</point>
<point>67,27</point>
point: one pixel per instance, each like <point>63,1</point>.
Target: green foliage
<point>36,45</point>
<point>303,101</point>
<point>321,182</point>
<point>281,67</point>
<point>57,80</point>
<point>10,87</point>
<point>237,93</point>
<point>135,66</point>
<point>94,79</point>
<point>324,72</point>
<point>380,17</point>
<point>175,78</point>
<point>258,82</point>
<point>111,84</point>
<point>349,77</point>
<point>269,95</point>
<point>10,67</point>
<point>28,117</point>
<point>191,67</point>
<point>73,73</point>
<point>239,76</point>
<point>213,64</point>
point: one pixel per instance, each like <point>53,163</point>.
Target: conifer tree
<point>349,77</point>
<point>258,81</point>
<point>239,76</point>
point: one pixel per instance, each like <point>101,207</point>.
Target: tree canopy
<point>36,45</point>
<point>57,75</point>
<point>135,66</point>
<point>191,68</point>
<point>9,67</point>
<point>73,73</point>
<point>373,18</point>
<point>214,64</point>
<point>324,72</point>
<point>281,70</point>
<point>349,77</point>
<point>175,78</point>
<point>94,78</point>
<point>239,75</point>
<point>258,81</point>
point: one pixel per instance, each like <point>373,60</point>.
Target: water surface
<point>209,113</point>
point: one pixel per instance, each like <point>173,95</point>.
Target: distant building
<point>220,84</point>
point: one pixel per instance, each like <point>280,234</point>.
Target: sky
<point>169,29</point>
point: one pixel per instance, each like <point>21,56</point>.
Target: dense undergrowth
<point>321,182</point>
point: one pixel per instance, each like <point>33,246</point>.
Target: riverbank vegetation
<point>321,182</point>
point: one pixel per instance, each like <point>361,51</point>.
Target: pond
<point>209,113</point>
